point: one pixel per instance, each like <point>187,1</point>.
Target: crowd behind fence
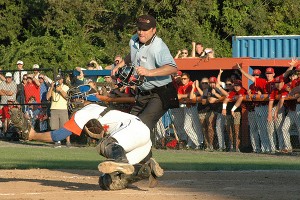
<point>179,128</point>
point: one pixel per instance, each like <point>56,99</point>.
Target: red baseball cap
<point>237,83</point>
<point>179,73</point>
<point>269,70</point>
<point>256,72</point>
<point>212,79</point>
<point>297,67</point>
<point>279,79</point>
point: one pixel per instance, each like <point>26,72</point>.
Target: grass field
<point>39,155</point>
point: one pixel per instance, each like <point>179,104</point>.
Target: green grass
<point>34,156</point>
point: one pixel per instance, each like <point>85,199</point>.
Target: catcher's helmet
<point>77,96</point>
<point>128,76</point>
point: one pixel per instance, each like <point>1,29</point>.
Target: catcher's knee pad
<point>109,148</point>
<point>113,181</point>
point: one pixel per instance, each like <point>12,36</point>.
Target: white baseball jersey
<point>130,132</point>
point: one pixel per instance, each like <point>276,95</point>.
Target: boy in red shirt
<point>235,118</point>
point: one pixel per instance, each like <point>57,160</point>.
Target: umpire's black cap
<point>145,22</point>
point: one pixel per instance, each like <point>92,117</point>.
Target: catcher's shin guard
<point>110,149</point>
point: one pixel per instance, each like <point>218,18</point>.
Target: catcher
<point>123,139</point>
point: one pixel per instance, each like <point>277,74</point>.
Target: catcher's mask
<point>79,94</point>
<point>128,76</point>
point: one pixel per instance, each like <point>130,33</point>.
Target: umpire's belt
<point>150,92</point>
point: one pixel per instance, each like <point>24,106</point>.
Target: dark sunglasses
<point>204,83</point>
<point>228,84</point>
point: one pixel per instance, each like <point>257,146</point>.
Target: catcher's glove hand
<point>94,129</point>
<point>17,118</point>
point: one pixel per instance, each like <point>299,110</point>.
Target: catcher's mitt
<point>17,118</point>
<point>94,129</point>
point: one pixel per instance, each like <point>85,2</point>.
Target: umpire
<point>153,60</point>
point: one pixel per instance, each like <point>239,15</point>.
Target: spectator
<point>18,75</point>
<point>45,83</point>
<point>192,124</point>
<point>96,65</point>
<point>215,99</point>
<point>8,89</point>
<point>199,51</point>
<point>32,111</point>
<point>205,113</point>
<point>255,133</point>
<point>182,53</point>
<point>6,115</point>
<point>36,73</point>
<point>177,113</point>
<point>284,142</point>
<point>234,114</point>
<point>2,77</point>
<point>118,59</point>
<point>85,79</point>
<point>32,88</point>
<point>57,93</point>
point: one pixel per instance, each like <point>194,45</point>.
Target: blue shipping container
<point>276,46</point>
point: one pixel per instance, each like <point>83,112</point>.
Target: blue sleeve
<point>60,134</point>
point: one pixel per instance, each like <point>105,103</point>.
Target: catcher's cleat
<point>156,171</point>
<point>110,166</point>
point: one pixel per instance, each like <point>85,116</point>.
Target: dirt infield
<point>82,184</point>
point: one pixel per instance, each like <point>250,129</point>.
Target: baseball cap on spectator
<point>35,66</point>
<point>179,73</point>
<point>20,62</point>
<point>212,79</point>
<point>269,70</point>
<point>8,74</point>
<point>279,79</point>
<point>145,22</point>
<point>237,83</point>
<point>58,77</point>
<point>256,72</point>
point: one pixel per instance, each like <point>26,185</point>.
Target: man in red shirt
<point>32,88</point>
<point>280,92</point>
<point>192,124</point>
<point>292,108</point>
<point>256,137</point>
<point>235,121</point>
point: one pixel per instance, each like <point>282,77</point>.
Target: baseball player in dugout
<point>122,138</point>
<point>152,62</point>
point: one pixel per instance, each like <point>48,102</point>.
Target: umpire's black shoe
<point>156,171</point>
